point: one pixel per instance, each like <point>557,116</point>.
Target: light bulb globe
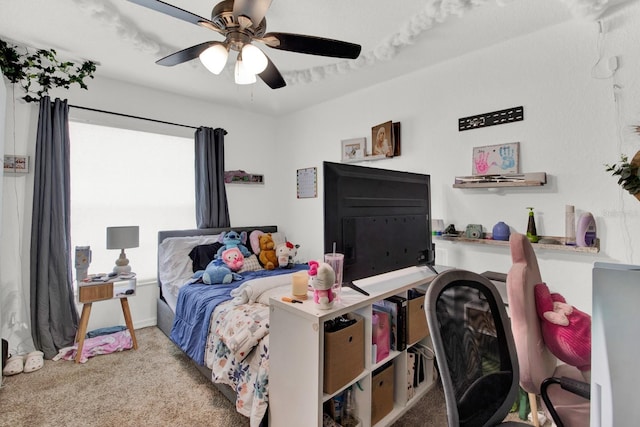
<point>254,59</point>
<point>214,58</point>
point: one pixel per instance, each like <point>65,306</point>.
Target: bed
<point>222,328</point>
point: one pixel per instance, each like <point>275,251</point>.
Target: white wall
<point>572,127</point>
<point>569,131</point>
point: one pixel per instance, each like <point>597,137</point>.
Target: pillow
<point>202,255</point>
<point>174,265</point>
<point>251,263</point>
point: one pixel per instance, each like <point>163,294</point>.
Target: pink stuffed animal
<point>565,329</point>
<point>233,258</point>
<point>321,279</point>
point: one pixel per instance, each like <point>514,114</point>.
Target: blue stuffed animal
<point>216,272</point>
<point>233,239</point>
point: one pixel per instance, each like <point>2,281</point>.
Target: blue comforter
<point>195,305</point>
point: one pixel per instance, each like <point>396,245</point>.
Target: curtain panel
<point>54,319</point>
<point>211,196</point>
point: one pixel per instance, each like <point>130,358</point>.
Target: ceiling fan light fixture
<point>214,58</point>
<point>254,59</point>
<point>243,76</point>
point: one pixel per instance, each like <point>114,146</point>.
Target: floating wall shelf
<point>533,179</point>
<point>554,247</point>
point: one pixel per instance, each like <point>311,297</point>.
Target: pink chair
<point>536,362</point>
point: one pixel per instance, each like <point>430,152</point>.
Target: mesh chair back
<point>474,348</point>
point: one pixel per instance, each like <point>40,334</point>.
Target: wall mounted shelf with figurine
<point>554,247</point>
<point>533,179</point>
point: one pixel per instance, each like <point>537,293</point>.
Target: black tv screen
<point>379,219</point>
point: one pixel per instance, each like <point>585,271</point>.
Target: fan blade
<point>176,12</point>
<point>311,45</point>
<point>253,9</point>
<point>185,54</point>
<point>271,76</point>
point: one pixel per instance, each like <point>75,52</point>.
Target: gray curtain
<point>54,319</point>
<point>211,196</point>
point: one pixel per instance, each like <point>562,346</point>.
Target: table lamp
<point>122,238</point>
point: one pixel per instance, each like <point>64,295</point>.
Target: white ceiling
<point>397,37</point>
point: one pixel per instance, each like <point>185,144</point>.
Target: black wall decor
<point>509,115</point>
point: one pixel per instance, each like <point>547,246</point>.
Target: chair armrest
<point>579,388</point>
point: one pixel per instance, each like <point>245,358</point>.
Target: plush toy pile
<point>222,270</point>
<point>565,329</point>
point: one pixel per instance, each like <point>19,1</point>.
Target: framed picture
<point>382,140</point>
<point>17,164</point>
<point>396,138</point>
<point>496,159</point>
<point>354,149</point>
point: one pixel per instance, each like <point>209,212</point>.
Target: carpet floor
<point>156,385</point>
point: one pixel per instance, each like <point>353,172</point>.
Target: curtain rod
<point>132,117</point>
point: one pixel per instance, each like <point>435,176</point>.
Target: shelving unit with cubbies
<point>297,354</point>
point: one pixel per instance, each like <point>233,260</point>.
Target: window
<point>121,177</point>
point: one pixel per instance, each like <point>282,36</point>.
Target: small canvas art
<point>496,159</point>
<point>353,149</point>
<point>382,140</point>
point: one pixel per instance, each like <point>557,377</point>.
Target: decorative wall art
<point>354,150</point>
<point>509,115</point>
<point>396,138</point>
<point>307,183</point>
<point>496,159</point>
<point>16,164</point>
<point>382,140</point>
<point>242,177</point>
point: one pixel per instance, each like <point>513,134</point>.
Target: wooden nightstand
<point>90,292</point>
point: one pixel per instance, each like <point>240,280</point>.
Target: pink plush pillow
<point>565,329</point>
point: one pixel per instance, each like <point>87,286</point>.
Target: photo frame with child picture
<point>385,139</point>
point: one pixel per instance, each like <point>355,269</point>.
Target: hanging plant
<point>41,71</point>
<point>628,173</point>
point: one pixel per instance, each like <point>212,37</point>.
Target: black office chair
<point>474,349</point>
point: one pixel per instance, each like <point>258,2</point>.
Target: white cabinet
<point>296,353</point>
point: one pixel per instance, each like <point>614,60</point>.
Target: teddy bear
<point>233,239</point>
<point>286,252</point>
<point>565,329</point>
<point>222,270</point>
<point>267,255</point>
<point>321,279</point>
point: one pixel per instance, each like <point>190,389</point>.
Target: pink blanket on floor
<point>103,344</point>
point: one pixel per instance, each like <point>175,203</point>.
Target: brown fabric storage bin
<point>382,388</point>
<point>416,320</point>
<point>343,355</point>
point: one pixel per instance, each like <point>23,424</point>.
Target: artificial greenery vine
<point>41,71</point>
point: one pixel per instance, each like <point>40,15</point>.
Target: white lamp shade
<point>214,58</point>
<point>243,76</point>
<point>123,237</point>
<point>253,59</point>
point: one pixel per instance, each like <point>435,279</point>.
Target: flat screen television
<point>379,219</point>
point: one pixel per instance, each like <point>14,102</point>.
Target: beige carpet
<point>156,385</point>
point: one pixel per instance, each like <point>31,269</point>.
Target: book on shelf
<point>381,332</point>
<point>397,306</point>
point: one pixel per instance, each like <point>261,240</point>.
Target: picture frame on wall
<point>354,149</point>
<point>382,139</point>
<point>16,164</point>
<point>496,159</point>
<point>396,138</point>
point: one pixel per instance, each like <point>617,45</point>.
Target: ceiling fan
<point>241,22</point>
